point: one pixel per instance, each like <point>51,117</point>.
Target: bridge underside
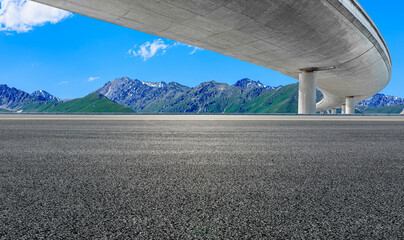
<point>334,38</point>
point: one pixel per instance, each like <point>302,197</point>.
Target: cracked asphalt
<point>158,179</point>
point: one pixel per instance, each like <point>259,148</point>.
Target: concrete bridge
<point>332,45</point>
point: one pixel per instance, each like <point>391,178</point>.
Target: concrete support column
<point>307,92</point>
<point>350,105</point>
<point>343,109</point>
<point>334,111</point>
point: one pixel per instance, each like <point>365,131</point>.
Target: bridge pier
<point>343,109</point>
<point>307,92</point>
<point>350,105</point>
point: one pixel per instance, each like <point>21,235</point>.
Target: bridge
<point>331,45</point>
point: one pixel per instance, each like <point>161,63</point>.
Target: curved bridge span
<point>332,45</point>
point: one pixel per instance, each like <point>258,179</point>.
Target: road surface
<point>201,177</point>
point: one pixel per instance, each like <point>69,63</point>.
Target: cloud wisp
<point>148,49</point>
<point>157,48</point>
<point>23,15</point>
<point>90,79</point>
<point>195,49</point>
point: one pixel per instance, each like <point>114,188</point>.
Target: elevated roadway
<point>332,45</point>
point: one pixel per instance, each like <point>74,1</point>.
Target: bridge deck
<point>336,36</point>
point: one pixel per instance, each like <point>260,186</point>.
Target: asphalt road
<point>201,179</point>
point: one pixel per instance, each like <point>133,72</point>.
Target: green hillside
<point>209,97</point>
<point>282,100</point>
<point>94,103</point>
<point>392,109</point>
<point>212,97</point>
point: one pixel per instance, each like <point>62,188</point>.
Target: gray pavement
<point>201,177</point>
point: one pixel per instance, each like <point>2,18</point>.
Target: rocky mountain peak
<point>122,81</point>
<point>44,95</point>
<point>247,83</point>
<point>381,100</point>
<point>155,84</point>
<point>137,94</point>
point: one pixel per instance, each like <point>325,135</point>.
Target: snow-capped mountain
<point>139,94</point>
<point>155,84</point>
<point>247,83</point>
<point>245,96</point>
<point>45,95</point>
<point>381,100</point>
<point>173,97</point>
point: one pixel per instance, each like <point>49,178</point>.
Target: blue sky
<point>75,55</point>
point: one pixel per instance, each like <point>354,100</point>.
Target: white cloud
<point>23,15</point>
<point>156,48</point>
<point>195,49</point>
<point>148,49</point>
<point>90,79</point>
<point>176,44</point>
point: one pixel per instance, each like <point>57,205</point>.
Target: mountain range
<point>14,100</point>
<point>381,100</point>
<point>92,103</point>
<point>245,96</point>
